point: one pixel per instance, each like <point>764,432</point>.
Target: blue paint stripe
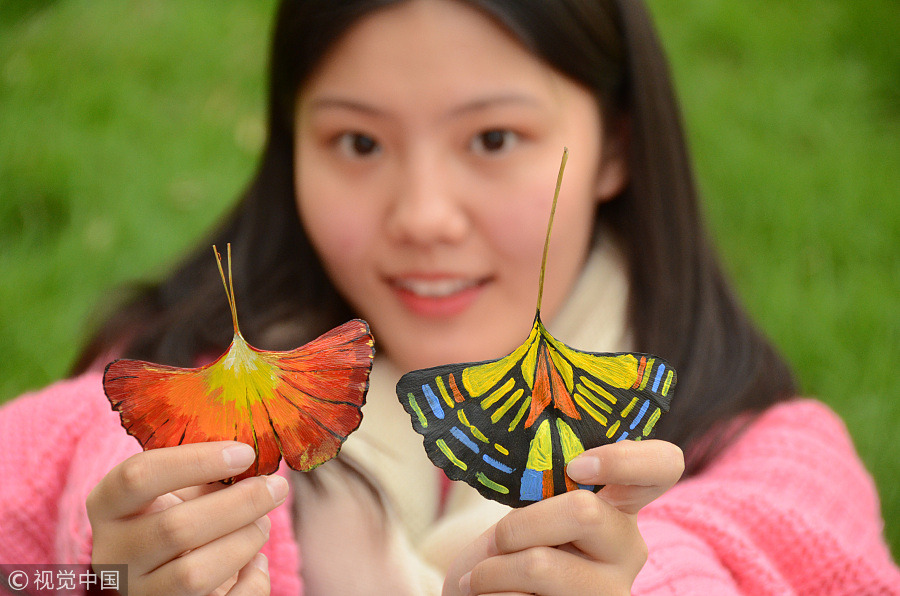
<point>659,374</point>
<point>464,439</point>
<point>532,485</point>
<point>589,487</point>
<point>640,414</point>
<point>623,436</point>
<point>433,402</point>
<point>493,462</point>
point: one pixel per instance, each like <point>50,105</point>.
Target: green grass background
<point>127,128</point>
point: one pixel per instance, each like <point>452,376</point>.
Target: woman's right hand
<point>178,534</point>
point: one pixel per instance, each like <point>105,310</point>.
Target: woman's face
<point>427,149</point>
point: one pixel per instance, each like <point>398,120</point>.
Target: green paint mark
<point>491,484</point>
<point>650,423</point>
<point>450,455</point>
<point>415,406</point>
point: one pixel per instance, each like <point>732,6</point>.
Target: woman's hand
<point>178,534</point>
<point>579,542</point>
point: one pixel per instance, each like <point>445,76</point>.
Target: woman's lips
<point>437,295</point>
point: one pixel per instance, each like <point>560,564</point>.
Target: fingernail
<point>278,487</point>
<point>584,468</point>
<point>238,457</point>
<point>261,562</point>
<point>264,524</point>
<point>465,584</point>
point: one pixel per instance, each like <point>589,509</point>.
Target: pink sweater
<point>787,509</point>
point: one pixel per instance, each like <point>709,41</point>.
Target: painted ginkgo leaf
<point>509,427</point>
<point>300,404</point>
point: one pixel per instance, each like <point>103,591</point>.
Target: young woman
<point>411,156</point>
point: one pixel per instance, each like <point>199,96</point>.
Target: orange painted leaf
<point>301,404</point>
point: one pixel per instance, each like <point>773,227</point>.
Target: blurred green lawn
<point>127,128</point>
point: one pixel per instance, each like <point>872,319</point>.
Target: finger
<point>136,482</point>
<point>180,496</point>
<point>149,541</point>
<point>202,570</point>
<point>480,549</point>
<point>253,580</point>
<point>223,589</point>
<point>635,463</point>
<point>542,570</point>
<point>194,523</point>
<point>634,472</point>
<point>579,517</point>
<point>192,492</point>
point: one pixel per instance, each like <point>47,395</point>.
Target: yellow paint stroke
<point>668,382</point>
<point>647,371</point>
<point>612,429</point>
<point>594,399</point>
<point>619,371</point>
<point>450,455</point>
<point>491,484</point>
<point>520,414</point>
<point>540,452</point>
<point>501,448</point>
<point>496,395</point>
<point>598,389</point>
<point>564,368</point>
<point>502,410</point>
<point>478,380</point>
<point>571,444</point>
<point>627,409</point>
<point>587,407</point>
<point>529,364</point>
<point>444,394</point>
<point>475,432</point>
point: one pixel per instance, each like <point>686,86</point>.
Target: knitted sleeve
<point>55,446</point>
<point>787,509</point>
<point>38,434</point>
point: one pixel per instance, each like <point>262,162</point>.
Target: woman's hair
<point>681,306</point>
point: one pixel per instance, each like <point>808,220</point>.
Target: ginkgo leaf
<point>509,427</point>
<point>301,404</point>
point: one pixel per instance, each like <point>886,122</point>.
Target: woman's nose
<point>427,207</point>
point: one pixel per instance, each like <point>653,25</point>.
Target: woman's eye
<point>494,141</point>
<point>354,144</point>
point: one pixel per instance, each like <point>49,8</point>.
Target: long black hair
<point>681,305</point>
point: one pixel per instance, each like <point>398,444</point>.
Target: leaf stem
<point>229,286</point>
<point>562,167</point>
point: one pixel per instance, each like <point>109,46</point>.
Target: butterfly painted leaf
<point>301,404</point>
<point>508,427</point>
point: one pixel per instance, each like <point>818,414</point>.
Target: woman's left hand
<point>575,543</point>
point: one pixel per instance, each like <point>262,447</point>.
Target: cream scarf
<point>347,545</point>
